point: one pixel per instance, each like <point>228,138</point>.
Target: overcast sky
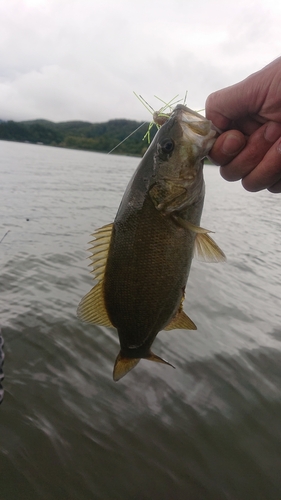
<point>82,59</point>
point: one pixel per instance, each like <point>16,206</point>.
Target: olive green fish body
<point>144,258</point>
<point>146,272</point>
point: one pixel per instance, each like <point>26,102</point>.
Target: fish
<point>142,260</point>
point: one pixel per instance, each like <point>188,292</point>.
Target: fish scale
<point>137,276</point>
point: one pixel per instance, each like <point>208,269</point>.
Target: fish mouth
<point>187,116</point>
<point>196,130</point>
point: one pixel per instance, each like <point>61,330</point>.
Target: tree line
<point>80,135</point>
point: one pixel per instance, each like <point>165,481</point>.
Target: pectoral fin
<point>181,321</point>
<point>192,227</point>
<point>205,248</point>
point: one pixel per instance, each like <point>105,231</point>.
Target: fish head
<point>179,149</point>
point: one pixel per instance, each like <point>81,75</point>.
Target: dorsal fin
<point>92,307</point>
<point>99,250</point>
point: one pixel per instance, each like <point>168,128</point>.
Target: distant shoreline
<point>80,135</point>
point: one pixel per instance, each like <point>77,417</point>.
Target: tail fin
<point>123,365</point>
<point>153,357</point>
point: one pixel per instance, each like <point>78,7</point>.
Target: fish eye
<point>167,145</point>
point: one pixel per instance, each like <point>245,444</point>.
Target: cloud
<point>79,59</point>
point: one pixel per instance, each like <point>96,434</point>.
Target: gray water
<point>211,429</point>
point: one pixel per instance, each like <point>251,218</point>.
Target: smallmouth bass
<point>142,261</point>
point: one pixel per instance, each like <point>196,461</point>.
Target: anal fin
<point>181,321</point>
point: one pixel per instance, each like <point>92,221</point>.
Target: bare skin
<point>249,114</point>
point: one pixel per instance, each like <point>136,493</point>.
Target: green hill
<point>79,135</point>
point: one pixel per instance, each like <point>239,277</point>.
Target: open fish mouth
<point>197,131</point>
<point>191,118</point>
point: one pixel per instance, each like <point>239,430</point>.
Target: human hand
<point>249,115</point>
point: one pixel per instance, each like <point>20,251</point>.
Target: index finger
<point>227,146</point>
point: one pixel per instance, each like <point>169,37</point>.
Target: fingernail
<point>279,146</point>
<point>232,144</point>
<point>272,132</point>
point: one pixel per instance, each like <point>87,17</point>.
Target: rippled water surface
<point>211,429</point>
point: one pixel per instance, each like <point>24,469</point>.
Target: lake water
<point>209,430</point>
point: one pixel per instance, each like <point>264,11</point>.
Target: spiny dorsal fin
<point>205,248</point>
<point>181,321</point>
<point>92,307</point>
<point>99,250</point>
<point>123,365</point>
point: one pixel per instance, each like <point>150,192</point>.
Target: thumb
<point>242,100</point>
<point>230,104</point>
